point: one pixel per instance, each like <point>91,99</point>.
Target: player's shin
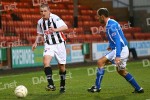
<point>132,81</point>
<point>99,77</point>
<point>48,73</point>
<point>62,78</point>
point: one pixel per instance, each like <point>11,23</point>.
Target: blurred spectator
<point>14,16</point>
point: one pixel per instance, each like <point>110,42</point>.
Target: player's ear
<point>102,17</point>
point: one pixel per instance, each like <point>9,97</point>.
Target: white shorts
<point>57,50</point>
<point>123,56</point>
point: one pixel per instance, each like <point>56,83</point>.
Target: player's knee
<point>100,63</point>
<point>61,67</point>
<point>46,64</point>
<point>122,72</point>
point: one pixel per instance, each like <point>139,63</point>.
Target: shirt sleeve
<point>115,36</point>
<point>59,22</point>
<point>39,29</point>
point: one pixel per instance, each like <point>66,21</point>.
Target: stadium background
<point>86,40</point>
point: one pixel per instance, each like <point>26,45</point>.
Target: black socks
<point>62,78</point>
<point>48,73</point>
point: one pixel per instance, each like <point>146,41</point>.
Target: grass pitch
<point>114,87</point>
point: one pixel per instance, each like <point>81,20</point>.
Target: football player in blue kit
<point>118,54</point>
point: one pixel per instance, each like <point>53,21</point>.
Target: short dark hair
<point>103,11</point>
<point>44,5</point>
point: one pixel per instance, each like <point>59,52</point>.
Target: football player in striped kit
<point>50,26</point>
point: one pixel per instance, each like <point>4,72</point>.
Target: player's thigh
<point>111,55</point>
<point>48,54</point>
<point>122,72</point>
<point>124,53</point>
<point>124,58</point>
<point>102,61</point>
<point>61,67</point>
<point>60,53</point>
<point>46,60</point>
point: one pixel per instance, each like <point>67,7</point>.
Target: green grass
<point>114,87</point>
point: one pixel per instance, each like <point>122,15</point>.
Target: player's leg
<point>47,57</point>
<point>62,73</point>
<point>121,69</point>
<point>60,54</point>
<point>99,75</point>
<point>100,71</point>
<point>130,79</point>
<point>48,72</point>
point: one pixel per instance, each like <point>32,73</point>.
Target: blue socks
<point>132,81</point>
<point>99,76</point>
<point>128,77</point>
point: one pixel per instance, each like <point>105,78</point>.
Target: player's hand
<point>52,29</point>
<point>117,60</point>
<point>108,48</point>
<point>34,46</point>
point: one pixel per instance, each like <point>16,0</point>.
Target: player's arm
<point>61,26</point>
<point>38,37</point>
<point>116,39</point>
<point>37,40</point>
<point>118,45</point>
<point>118,50</point>
<point>108,48</point>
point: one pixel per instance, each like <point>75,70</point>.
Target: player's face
<point>101,19</point>
<point>45,12</point>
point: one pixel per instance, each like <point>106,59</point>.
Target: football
<point>21,91</point>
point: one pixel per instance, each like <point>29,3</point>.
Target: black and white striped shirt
<point>53,21</point>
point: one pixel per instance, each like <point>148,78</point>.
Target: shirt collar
<point>107,21</point>
<point>49,17</point>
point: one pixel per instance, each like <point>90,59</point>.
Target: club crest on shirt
<point>113,34</point>
<point>45,50</point>
<point>58,19</point>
